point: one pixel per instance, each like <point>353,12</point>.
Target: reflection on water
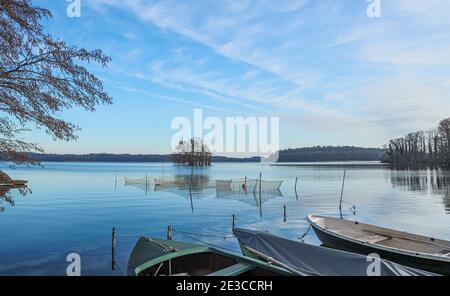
<point>430,181</point>
<point>176,183</point>
<point>75,205</point>
<point>6,198</point>
<point>194,186</point>
<point>252,198</point>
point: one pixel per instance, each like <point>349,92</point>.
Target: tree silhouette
<point>39,77</point>
<point>192,153</point>
<point>421,149</point>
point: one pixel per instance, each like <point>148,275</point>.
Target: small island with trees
<point>192,153</point>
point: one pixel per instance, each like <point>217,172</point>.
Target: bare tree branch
<point>39,78</point>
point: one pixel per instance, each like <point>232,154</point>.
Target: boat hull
<point>152,256</point>
<point>337,242</point>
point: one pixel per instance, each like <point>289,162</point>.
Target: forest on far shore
<point>421,149</point>
<point>309,154</point>
<point>331,153</point>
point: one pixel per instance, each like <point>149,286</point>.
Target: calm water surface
<point>73,207</point>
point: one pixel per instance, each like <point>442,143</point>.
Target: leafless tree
<point>39,77</point>
<point>421,149</point>
<point>193,153</point>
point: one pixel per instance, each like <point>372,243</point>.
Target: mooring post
<point>191,179</point>
<point>295,186</point>
<point>285,215</point>
<point>260,181</point>
<point>169,232</point>
<point>113,249</point>
<point>260,199</point>
<point>146,184</point>
<point>245,184</point>
<point>233,221</point>
<point>342,193</point>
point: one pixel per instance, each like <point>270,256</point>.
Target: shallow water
<point>73,207</point>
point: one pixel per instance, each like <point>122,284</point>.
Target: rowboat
<point>315,260</point>
<point>159,257</point>
<point>408,249</point>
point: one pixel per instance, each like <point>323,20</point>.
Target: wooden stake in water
<point>245,184</point>
<point>191,180</point>
<point>192,201</point>
<point>285,214</point>
<point>113,249</point>
<point>146,184</point>
<point>169,232</point>
<point>260,182</point>
<point>342,194</point>
<point>234,221</point>
<point>295,187</point>
<point>260,199</point>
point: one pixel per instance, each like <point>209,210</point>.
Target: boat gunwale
<point>195,250</point>
<point>204,249</point>
<point>376,246</point>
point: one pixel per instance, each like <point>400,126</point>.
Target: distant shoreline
<point>312,155</point>
<point>347,163</point>
<point>124,158</point>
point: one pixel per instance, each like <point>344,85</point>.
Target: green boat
<point>159,257</point>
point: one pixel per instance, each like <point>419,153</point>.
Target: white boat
<point>418,251</point>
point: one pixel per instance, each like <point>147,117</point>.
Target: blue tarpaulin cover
<point>316,260</point>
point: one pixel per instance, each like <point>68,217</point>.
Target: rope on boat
<point>216,232</point>
<point>252,225</point>
<point>206,235</point>
<point>304,234</point>
<point>206,243</point>
<point>118,269</point>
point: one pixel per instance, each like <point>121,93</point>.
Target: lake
<point>73,207</point>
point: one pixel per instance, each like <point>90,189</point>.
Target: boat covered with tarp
<point>317,260</point>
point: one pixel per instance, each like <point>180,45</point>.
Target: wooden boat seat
<point>338,231</point>
<point>374,238</point>
<point>233,270</point>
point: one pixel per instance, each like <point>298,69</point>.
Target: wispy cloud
<point>321,60</point>
<point>149,94</point>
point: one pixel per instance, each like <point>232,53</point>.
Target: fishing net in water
<point>144,180</point>
<point>223,184</point>
<point>170,182</point>
<point>252,198</point>
<point>265,186</point>
<point>183,182</point>
<point>249,185</point>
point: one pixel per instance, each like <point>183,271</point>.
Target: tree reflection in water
<point>6,197</point>
<point>435,182</point>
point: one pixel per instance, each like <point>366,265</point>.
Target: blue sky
<point>333,75</point>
